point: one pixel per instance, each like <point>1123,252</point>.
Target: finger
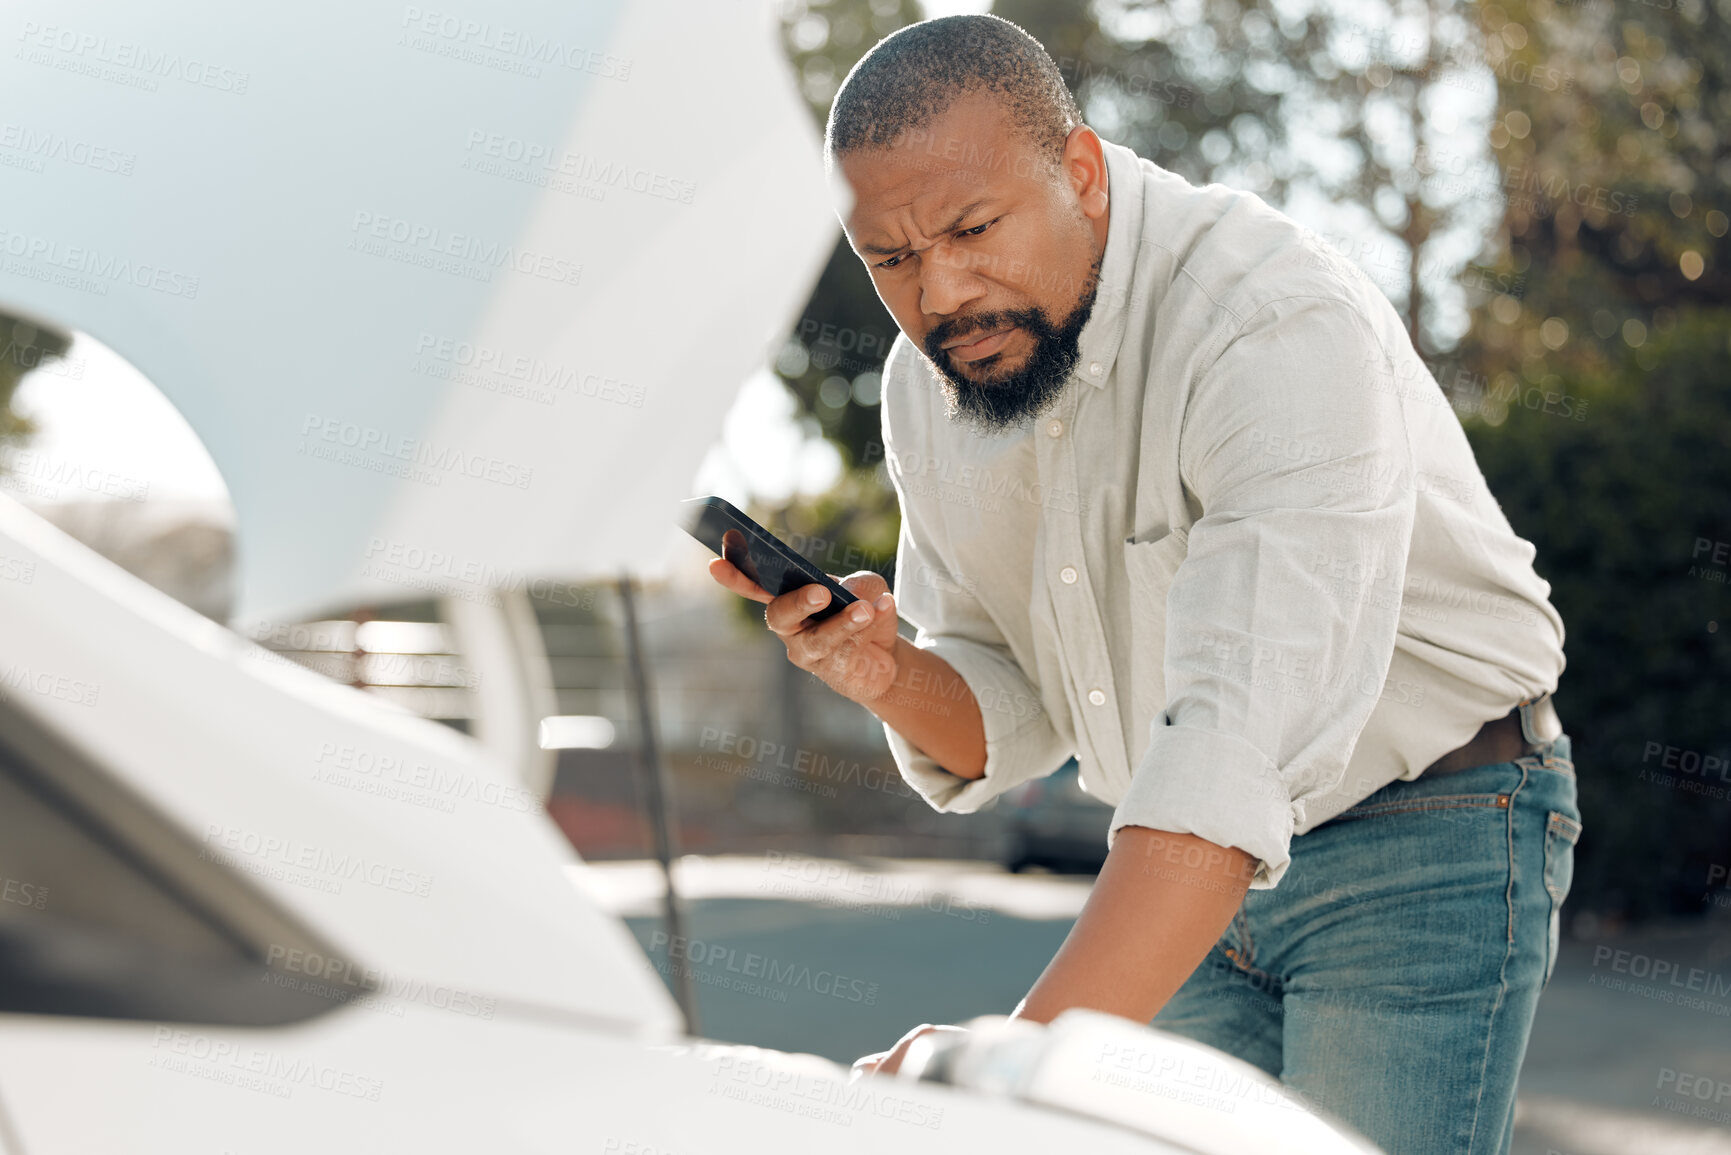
<point>787,614</point>
<point>892,1062</point>
<point>728,575</point>
<point>870,587</point>
<point>864,584</point>
<point>883,605</point>
<point>815,642</point>
<point>866,1065</point>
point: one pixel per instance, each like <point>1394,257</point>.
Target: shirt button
<point>1068,573</point>
<point>1098,697</point>
<point>1094,368</point>
<point>1054,427</point>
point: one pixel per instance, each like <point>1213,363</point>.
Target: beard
<point>1002,399</point>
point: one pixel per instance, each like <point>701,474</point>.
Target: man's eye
<point>892,262</point>
<point>978,229</point>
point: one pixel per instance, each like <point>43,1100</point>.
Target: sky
<point>96,414</point>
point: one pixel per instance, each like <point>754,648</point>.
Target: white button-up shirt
<point>1246,569</point>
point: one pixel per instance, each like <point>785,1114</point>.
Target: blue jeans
<point>1392,975</point>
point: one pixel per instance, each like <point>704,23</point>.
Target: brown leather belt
<point>1500,740</point>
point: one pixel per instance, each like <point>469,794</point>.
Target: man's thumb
<point>865,584</point>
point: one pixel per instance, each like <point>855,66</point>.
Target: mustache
<point>947,331</point>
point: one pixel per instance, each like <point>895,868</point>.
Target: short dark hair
<point>914,74</point>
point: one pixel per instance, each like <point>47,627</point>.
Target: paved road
<point>1630,1054</point>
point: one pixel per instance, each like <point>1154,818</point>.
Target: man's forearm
<point>931,706</point>
<point>1147,924</point>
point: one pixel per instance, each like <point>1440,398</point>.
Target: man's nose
<point>946,283</point>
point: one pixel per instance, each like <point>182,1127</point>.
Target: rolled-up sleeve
<point>1281,618</point>
<point>1021,743</point>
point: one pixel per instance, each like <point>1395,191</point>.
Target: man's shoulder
<point>1237,253</point>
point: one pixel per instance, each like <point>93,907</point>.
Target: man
<point>1178,496</point>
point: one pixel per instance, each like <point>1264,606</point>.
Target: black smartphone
<point>757,553</point>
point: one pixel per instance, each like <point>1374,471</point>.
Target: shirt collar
<point>1104,333</point>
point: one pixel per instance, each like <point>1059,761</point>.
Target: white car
<point>246,909</point>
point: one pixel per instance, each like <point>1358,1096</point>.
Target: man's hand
<point>854,658</point>
<point>913,691</point>
<point>890,1061</point>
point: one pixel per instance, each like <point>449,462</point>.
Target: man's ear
<point>1084,165</point>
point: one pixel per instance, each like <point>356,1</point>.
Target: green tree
<point>24,345</point>
<point>1362,107</point>
<point>1600,408</point>
<point>832,361</point>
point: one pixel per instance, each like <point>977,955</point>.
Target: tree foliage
<point>1614,182</point>
<point>24,345</point>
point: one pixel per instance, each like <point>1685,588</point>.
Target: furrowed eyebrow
<point>881,251</point>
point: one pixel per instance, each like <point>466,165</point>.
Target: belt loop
<point>1539,720</point>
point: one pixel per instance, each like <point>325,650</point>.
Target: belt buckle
<point>1539,721</point>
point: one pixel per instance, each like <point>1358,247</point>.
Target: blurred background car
<point>1054,823</point>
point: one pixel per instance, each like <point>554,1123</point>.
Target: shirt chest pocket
<point>1150,567</point>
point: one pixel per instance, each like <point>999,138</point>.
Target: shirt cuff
<point>1180,785</point>
<point>1021,744</point>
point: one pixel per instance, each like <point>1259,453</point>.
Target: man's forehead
<point>890,186</point>
<point>932,199</point>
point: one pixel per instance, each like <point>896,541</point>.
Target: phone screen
<point>757,553</point>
